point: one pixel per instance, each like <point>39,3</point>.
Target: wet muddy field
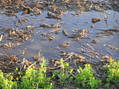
<point>60,29</point>
<point>76,31</point>
<point>34,31</point>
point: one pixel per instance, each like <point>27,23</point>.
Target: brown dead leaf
<point>95,20</point>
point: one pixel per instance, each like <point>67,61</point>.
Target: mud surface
<point>48,28</point>
<point>80,31</point>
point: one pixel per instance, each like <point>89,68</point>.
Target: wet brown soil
<point>76,30</point>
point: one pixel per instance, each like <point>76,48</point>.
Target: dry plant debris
<point>95,20</point>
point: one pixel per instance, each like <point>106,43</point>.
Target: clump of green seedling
<point>113,72</point>
<point>31,79</point>
<point>35,79</point>
<point>6,81</point>
<point>64,74</point>
<point>85,78</point>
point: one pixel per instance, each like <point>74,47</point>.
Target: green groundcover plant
<point>113,72</point>
<point>31,79</point>
<point>64,74</point>
<point>86,78</point>
<point>34,78</point>
<point>6,81</point>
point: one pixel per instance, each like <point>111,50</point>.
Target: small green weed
<point>64,74</point>
<point>6,81</point>
<point>85,78</point>
<point>36,79</point>
<point>32,79</point>
<point>113,72</point>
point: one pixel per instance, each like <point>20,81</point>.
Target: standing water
<point>91,33</point>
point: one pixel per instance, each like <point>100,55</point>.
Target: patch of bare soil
<point>57,7</point>
<point>8,63</point>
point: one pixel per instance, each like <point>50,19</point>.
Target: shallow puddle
<point>49,42</point>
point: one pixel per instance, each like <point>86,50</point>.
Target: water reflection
<point>36,46</point>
